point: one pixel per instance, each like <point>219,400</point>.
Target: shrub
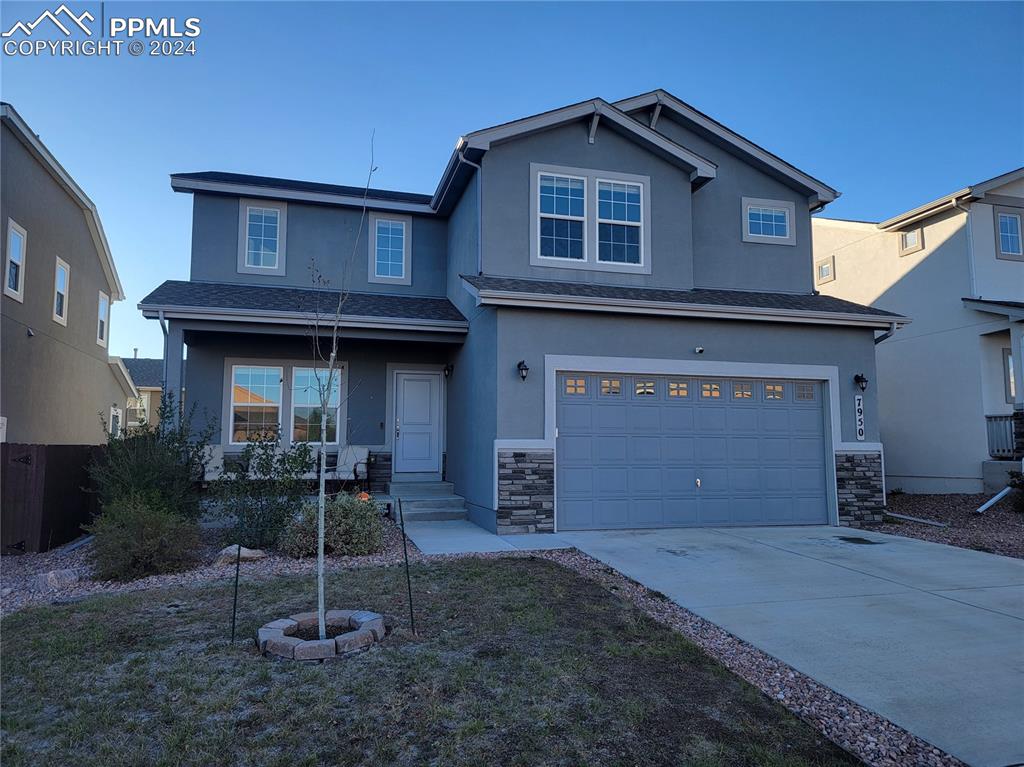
<point>262,491</point>
<point>1017,496</point>
<point>352,527</point>
<point>164,463</point>
<point>137,536</point>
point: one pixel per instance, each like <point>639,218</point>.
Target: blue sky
<point>894,104</point>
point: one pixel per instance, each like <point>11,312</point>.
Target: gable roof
<point>698,302</point>
<point>10,117</point>
<point>660,100</point>
<point>147,372</point>
<point>967,194</point>
<point>234,302</point>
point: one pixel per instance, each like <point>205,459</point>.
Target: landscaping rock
<point>229,554</point>
<point>287,625</point>
<point>54,580</point>
<point>359,617</point>
<point>353,641</point>
<point>282,646</point>
<point>340,617</point>
<point>264,635</point>
<point>306,620</point>
<point>376,626</point>
<point>315,649</point>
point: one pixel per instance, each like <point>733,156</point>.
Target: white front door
<point>417,446</point>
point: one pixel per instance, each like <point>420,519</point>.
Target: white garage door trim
<point>829,374</point>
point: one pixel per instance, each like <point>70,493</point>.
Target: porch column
<point>174,349</point>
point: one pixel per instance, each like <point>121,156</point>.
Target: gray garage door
<point>659,451</point>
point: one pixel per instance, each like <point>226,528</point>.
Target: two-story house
<point>603,317</point>
<point>58,383</point>
<point>949,385</point>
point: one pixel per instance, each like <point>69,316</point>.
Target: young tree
<point>325,329</point>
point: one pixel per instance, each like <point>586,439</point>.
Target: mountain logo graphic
<point>62,12</point>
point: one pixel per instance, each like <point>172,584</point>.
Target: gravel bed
<point>999,530</point>
<point>863,733</point>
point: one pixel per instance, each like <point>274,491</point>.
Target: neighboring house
<point>949,384</point>
<point>148,375</point>
<point>604,317</point>
<point>58,380</point>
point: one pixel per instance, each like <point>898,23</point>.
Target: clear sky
<point>893,104</point>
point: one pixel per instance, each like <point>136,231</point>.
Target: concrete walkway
<point>929,636</point>
<point>463,537</point>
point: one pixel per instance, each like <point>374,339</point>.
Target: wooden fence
<point>44,495</point>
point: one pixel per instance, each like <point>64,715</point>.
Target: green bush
<point>263,490</point>
<point>352,527</point>
<point>164,463</point>
<point>137,536</point>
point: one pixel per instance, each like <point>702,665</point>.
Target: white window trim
<point>590,177</point>
<point>14,226</point>
<point>287,366</point>
<point>918,246</point>
<point>1016,213</point>
<point>61,320</point>
<point>831,261</point>
<point>243,236</point>
<point>371,274</point>
<point>642,225</point>
<point>1008,375</point>
<point>758,202</point>
<point>102,340</point>
<point>339,371</point>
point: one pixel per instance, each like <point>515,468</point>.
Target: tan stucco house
<point>949,382</point>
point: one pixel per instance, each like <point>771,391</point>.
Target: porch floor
<point>460,536</point>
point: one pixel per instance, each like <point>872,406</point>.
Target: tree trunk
<point>321,503</point>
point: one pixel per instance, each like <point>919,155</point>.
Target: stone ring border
<point>277,639</point>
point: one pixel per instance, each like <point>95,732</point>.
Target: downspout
<point>479,211</point>
<point>887,334</point>
<point>970,248</point>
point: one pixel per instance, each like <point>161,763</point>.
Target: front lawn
<point>518,662</point>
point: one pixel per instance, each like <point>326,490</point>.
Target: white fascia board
<point>92,217</point>
<point>1010,312</point>
<point>179,184</point>
<point>702,167</point>
<point>822,192</point>
<point>704,311</point>
<point>124,378</point>
<point>967,194</point>
<point>300,318</point>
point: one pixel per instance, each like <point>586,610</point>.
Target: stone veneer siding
<point>378,472</point>
<point>1018,433</point>
<point>526,491</point>
<point>861,488</point>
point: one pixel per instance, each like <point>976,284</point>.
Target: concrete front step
<point>402,489</point>
<point>415,503</point>
<point>431,515</point>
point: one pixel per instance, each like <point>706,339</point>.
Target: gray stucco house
<point>57,379</point>
<point>603,317</point>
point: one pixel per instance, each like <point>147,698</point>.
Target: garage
<point>643,451</point>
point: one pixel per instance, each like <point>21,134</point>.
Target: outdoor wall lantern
<point>861,380</point>
<point>448,369</point>
<point>523,369</point>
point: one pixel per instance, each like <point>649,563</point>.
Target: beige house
<point>950,382</point>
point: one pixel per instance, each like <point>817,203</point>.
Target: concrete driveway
<point>929,636</point>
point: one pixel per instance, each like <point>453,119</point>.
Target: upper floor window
<point>911,242</point>
<point>14,275</point>
<point>103,319</point>
<point>768,221</point>
<point>562,216</point>
<point>1008,234</point>
<point>619,222</point>
<point>61,287</point>
<point>390,249</point>
<point>825,270</point>
<point>261,237</point>
<point>589,219</point>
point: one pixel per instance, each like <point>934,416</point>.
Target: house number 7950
<point>858,409</point>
